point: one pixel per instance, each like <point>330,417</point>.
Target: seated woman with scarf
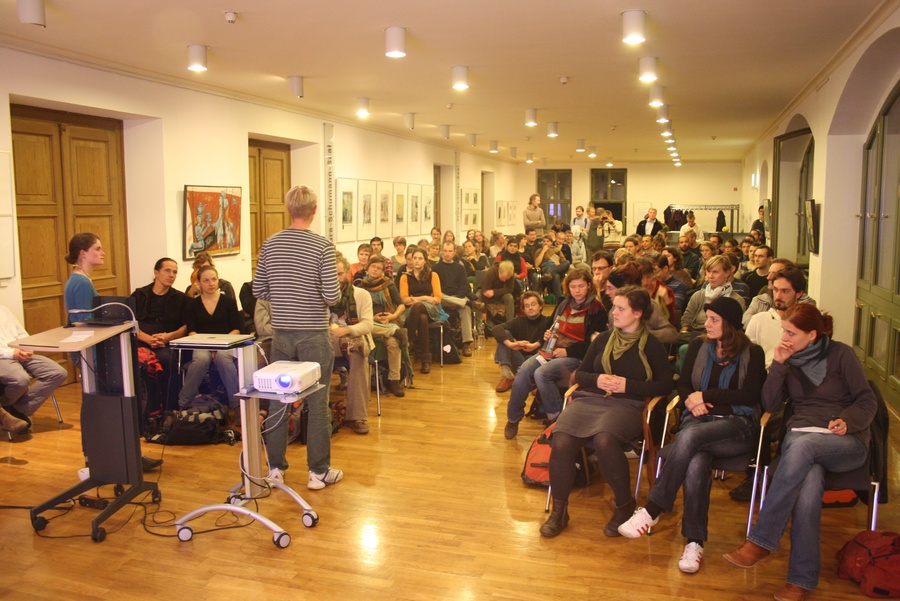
<point>828,387</point>
<point>622,367</point>
<point>387,307</point>
<point>719,272</point>
<point>577,319</point>
<point>720,388</point>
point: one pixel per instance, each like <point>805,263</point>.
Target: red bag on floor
<point>872,559</point>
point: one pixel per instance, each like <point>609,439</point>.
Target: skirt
<point>589,414</point>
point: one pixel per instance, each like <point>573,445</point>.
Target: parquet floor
<point>432,507</point>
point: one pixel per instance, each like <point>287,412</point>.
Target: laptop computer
<point>108,311</point>
<point>211,341</point>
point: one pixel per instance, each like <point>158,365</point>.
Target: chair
<point>439,326</point>
<point>867,479</point>
<point>738,463</point>
<point>55,406</point>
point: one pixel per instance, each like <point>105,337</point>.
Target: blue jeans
<point>547,377</point>
<point>199,367</point>
<point>303,345</point>
<point>557,272</point>
<point>506,356</point>
<point>689,458</point>
<point>796,493</point>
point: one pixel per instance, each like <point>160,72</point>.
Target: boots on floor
<point>11,423</point>
<point>426,363</point>
<point>558,520</point>
<point>396,388</point>
<point>621,515</point>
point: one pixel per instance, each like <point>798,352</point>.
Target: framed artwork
<point>367,202</point>
<point>812,225</point>
<point>427,209</point>
<point>399,209</point>
<point>347,201</point>
<point>212,220</point>
<point>511,212</point>
<point>414,214</point>
<point>384,192</point>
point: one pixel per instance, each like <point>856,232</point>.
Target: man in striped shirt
<point>297,274</point>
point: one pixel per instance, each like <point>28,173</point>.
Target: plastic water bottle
<point>547,351</point>
<point>479,340</point>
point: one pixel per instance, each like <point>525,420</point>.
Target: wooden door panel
<point>36,168</point>
<point>89,155</point>
<point>270,168</point>
<point>41,253</point>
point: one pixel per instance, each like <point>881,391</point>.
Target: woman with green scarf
<point>621,368</point>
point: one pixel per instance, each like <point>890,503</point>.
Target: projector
<point>284,377</point>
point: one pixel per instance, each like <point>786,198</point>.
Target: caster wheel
<point>281,540</point>
<point>39,523</point>
<point>99,536</point>
<point>185,534</point>
<point>118,489</point>
<point>156,496</point>
<point>234,500</point>
<point>310,519</point>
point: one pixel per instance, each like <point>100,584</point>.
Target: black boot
<point>558,520</point>
<point>622,514</point>
<point>426,363</point>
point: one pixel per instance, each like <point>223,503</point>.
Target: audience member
<point>497,292</point>
<point>533,215</point>
<point>677,268</point>
<point>387,307</point>
<point>691,225</point>
<point>661,295</point>
<point>202,259</point>
<point>363,252</point>
<point>760,225</point>
<point>601,267</point>
<point>676,286</point>
<point>420,289</point>
<point>552,263</point>
<point>456,294</point>
<point>498,243</point>
<point>580,219</point>
<point>756,278</point>
<point>520,338</point>
<point>630,275</point>
<point>764,329</point>
<point>399,258</point>
<point>693,321</point>
<point>613,230</point>
<point>649,225</point>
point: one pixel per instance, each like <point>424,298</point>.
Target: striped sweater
<point>297,274</point>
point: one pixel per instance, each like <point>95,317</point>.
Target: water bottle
<point>479,341</point>
<point>547,351</point>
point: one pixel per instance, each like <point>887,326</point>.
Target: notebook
<point>211,341</point>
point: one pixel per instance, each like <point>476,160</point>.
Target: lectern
<point>110,415</point>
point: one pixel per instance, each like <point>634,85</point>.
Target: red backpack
<point>873,560</point>
<point>537,462</point>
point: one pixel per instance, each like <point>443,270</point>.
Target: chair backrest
<point>479,278</point>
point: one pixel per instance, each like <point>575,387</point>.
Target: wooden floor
<point>431,507</point>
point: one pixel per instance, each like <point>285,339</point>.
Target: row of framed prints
<point>368,208</point>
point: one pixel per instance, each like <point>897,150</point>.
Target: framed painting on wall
<point>427,209</point>
<point>383,218</point>
<point>400,209</point>
<point>414,214</point>
<point>347,201</point>
<point>212,220</point>
<point>367,202</point>
<point>812,225</point>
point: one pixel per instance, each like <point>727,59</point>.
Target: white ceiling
<point>729,67</point>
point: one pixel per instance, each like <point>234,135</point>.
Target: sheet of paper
<point>78,336</point>
<point>814,429</point>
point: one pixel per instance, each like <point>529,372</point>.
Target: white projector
<point>284,377</point>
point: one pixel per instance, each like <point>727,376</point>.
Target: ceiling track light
<point>362,107</point>
<point>667,130</point>
<point>296,83</point>
<point>460,78</point>
<point>592,152</point>
<point>409,120</point>
<point>580,147</point>
<point>31,12</point>
<point>513,151</point>
<point>395,42</point>
<point>677,163</point>
<point>529,157</point>
<point>662,114</point>
<point>656,96</point>
<point>633,27</point>
<point>493,149</point>
<point>445,132</point>
<point>472,139</point>
<point>197,57</point>
<point>552,129</point>
<point>530,117</point>
<point>647,66</point>
<point>609,162</point>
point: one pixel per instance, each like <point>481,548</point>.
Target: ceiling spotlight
<point>677,163</point>
<point>673,154</point>
<point>592,152</point>
<point>445,132</point>
<point>296,83</point>
<point>409,120</point>
<point>656,96</point>
<point>667,129</point>
<point>662,114</point>
<point>513,151</point>
<point>580,147</point>
<point>672,148</point>
<point>530,117</point>
<point>460,78</point>
<point>669,140</point>
<point>395,42</point>
<point>552,129</point>
<point>31,12</point>
<point>362,107</point>
<point>197,57</point>
<point>493,149</point>
<point>230,17</point>
<point>648,69</point>
<point>609,163</point>
<point>529,157</point>
<point>633,26</point>
<point>472,138</point>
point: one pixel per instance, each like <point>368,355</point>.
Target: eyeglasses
<point>599,269</point>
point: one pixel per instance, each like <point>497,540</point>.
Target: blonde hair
<point>301,202</point>
<point>506,268</point>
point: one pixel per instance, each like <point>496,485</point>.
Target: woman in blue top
<point>85,253</point>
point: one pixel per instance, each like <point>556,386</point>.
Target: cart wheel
<point>156,496</point>
<point>185,533</point>
<point>99,536</point>
<point>234,499</point>
<point>39,523</point>
<point>118,489</point>
<point>310,519</point>
<point>281,539</point>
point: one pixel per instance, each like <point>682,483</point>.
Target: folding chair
<point>55,406</point>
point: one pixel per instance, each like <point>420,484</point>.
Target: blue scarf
<point>812,361</point>
<point>727,371</point>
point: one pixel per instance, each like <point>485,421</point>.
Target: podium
<point>110,415</point>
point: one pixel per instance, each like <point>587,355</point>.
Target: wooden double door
<point>69,179</point>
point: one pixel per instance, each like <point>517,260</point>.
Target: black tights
<point>417,328</point>
<point>613,464</point>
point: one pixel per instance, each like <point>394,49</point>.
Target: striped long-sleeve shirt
<point>297,274</point>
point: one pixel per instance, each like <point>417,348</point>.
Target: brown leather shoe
<point>791,593</point>
<point>747,555</point>
<point>504,385</point>
<point>467,349</point>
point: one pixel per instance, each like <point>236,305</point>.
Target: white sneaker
<point>690,559</point>
<point>277,475</point>
<point>320,481</point>
<point>638,524</point>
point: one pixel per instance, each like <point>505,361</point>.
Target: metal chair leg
<point>377,387</point>
<point>56,406</point>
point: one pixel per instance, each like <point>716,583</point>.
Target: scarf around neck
<point>714,293</point>
<point>812,361</point>
<point>619,342</point>
<point>727,371</point>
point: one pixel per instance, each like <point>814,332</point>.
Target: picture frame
<point>812,225</point>
<point>414,211</point>
<point>347,200</point>
<point>427,209</point>
<point>383,223</point>
<point>212,220</point>
<point>367,201</point>
<point>399,209</point>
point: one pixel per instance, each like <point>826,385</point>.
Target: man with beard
<point>764,329</point>
<point>520,338</point>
